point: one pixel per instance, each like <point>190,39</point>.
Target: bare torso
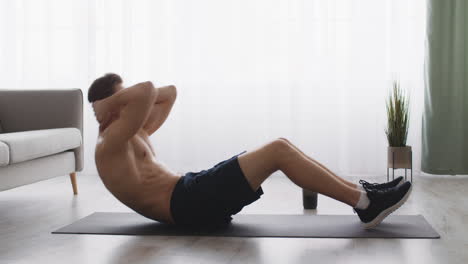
<point>134,176</point>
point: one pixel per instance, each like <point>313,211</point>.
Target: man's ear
<point>94,110</point>
<point>100,117</point>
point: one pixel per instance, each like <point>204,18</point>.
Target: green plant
<point>398,116</point>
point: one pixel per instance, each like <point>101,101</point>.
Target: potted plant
<point>399,155</point>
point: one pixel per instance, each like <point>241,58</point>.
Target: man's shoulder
<point>104,145</point>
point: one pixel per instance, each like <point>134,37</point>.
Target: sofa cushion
<point>34,144</point>
<point>4,154</point>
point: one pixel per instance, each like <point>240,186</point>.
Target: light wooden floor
<point>28,214</point>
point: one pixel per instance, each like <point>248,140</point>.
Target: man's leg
<point>350,184</point>
<point>259,164</point>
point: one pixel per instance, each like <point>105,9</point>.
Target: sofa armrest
<point>23,110</point>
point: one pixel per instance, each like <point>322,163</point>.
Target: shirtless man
<point>128,167</point>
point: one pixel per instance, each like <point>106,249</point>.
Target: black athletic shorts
<point>209,198</point>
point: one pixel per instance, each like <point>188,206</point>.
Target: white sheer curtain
<point>316,72</point>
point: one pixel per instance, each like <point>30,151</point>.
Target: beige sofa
<point>40,136</point>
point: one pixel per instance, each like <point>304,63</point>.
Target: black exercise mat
<point>253,225</point>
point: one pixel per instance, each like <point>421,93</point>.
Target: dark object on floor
<point>250,225</point>
<point>309,199</point>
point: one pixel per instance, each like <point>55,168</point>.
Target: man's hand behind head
<point>105,115</point>
<point>110,106</point>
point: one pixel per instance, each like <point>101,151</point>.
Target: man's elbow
<point>148,92</point>
<point>173,91</point>
<point>148,87</point>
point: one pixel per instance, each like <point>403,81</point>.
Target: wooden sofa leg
<point>73,182</point>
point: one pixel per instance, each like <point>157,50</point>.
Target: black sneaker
<point>382,186</point>
<point>382,203</point>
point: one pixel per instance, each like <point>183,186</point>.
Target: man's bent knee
<point>280,150</point>
<point>285,139</point>
<point>279,145</point>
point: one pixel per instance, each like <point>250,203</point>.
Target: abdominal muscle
<point>134,177</point>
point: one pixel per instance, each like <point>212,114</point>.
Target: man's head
<point>101,89</point>
<point>104,87</point>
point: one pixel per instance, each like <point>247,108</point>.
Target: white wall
<point>316,72</point>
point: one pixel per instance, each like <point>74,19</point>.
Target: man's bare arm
<point>133,106</point>
<point>161,108</point>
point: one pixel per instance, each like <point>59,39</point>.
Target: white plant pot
<point>399,157</point>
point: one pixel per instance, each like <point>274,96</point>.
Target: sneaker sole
<point>387,211</point>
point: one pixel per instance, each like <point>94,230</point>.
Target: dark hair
<point>103,87</point>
